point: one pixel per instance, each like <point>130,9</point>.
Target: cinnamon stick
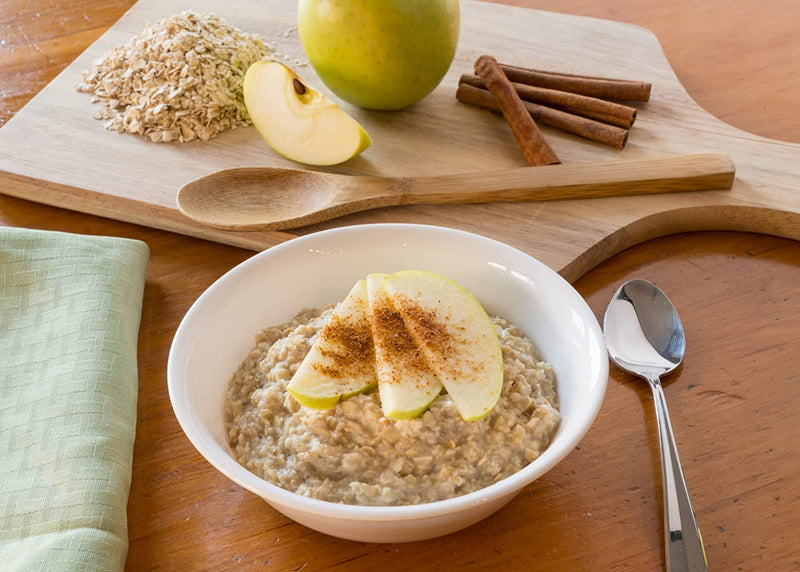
<point>583,127</point>
<point>602,88</point>
<point>606,111</point>
<point>603,118</point>
<point>530,140</point>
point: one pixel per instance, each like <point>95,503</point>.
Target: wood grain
<point>734,402</point>
<point>53,151</point>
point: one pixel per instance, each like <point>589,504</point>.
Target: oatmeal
<point>353,454</point>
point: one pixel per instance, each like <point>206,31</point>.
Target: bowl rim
<point>273,494</point>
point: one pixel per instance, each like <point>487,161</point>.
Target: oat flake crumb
<point>180,80</point>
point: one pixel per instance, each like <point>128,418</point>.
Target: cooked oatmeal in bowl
<point>353,454</point>
<point>217,336</point>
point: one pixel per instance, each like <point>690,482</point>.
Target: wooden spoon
<point>269,198</point>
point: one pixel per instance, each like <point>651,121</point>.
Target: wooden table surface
<point>734,404</point>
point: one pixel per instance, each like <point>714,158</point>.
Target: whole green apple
<point>379,54</point>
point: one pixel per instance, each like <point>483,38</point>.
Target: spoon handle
<point>683,543</point>
<point>703,171</point>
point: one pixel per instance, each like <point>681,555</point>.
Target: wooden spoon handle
<point>577,180</point>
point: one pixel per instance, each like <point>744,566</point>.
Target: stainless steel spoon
<point>645,337</point>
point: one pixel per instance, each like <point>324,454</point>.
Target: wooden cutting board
<point>53,151</point>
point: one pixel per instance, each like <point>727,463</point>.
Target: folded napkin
<point>70,308</point>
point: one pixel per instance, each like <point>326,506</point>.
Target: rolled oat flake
<point>180,80</point>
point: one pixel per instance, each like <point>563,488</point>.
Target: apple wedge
<point>456,336</point>
<point>341,362</point>
<point>406,382</point>
<point>297,121</point>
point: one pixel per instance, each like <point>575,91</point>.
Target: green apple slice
<point>406,382</point>
<point>297,121</point>
<point>456,336</point>
<point>341,362</point>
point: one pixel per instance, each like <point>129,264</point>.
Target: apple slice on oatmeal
<point>341,362</point>
<point>406,382</point>
<point>455,335</point>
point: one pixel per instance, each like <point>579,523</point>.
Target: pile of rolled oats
<point>180,80</point>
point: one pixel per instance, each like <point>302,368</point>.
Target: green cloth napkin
<point>70,308</point>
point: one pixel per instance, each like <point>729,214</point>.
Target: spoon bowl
<point>658,345</point>
<point>645,337</point>
<point>284,193</point>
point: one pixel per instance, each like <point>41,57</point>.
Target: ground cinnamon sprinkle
<point>390,331</point>
<point>433,334</point>
<point>354,345</point>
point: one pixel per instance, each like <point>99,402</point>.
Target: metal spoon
<point>262,198</point>
<point>645,337</point>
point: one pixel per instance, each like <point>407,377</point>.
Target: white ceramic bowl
<point>269,288</point>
